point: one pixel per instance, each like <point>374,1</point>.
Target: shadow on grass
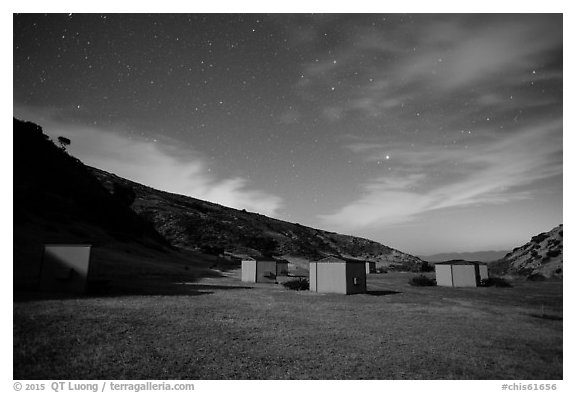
<point>23,297</point>
<point>106,288</point>
<point>547,316</point>
<point>120,287</point>
<point>382,293</point>
<point>210,286</point>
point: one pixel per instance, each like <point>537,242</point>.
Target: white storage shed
<point>460,273</point>
<point>335,275</point>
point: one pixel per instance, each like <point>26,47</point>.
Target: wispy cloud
<point>160,164</point>
<point>437,177</point>
<point>433,60</point>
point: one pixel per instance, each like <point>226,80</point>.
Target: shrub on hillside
<point>422,281</point>
<point>495,282</point>
<point>299,284</point>
<point>426,267</point>
<point>540,238</point>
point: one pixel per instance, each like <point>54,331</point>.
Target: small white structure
<point>370,267</point>
<point>262,269</point>
<point>460,273</point>
<point>335,275</point>
<point>65,267</point>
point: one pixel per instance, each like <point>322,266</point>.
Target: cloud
<point>160,164</point>
<point>448,110</point>
<point>499,170</point>
<point>453,55</point>
<point>435,59</point>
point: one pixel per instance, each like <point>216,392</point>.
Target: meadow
<point>221,328</point>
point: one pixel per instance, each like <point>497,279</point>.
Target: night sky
<point>426,132</point>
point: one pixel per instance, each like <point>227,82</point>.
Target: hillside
<point>541,255</point>
<point>58,200</point>
<point>195,224</point>
<point>50,185</point>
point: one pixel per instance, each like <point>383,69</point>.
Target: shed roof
<point>460,262</point>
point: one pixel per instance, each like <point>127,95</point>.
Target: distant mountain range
<point>542,255</point>
<point>482,256</point>
<point>59,199</point>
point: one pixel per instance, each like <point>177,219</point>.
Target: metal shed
<point>65,267</point>
<point>263,269</point>
<point>460,273</point>
<point>370,267</point>
<point>281,267</point>
<point>335,275</point>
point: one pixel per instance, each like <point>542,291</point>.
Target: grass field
<point>221,328</point>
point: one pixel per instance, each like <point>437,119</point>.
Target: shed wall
<point>313,277</point>
<point>355,278</point>
<point>331,277</point>
<point>370,267</point>
<point>282,268</point>
<point>443,275</point>
<point>266,271</point>
<point>483,272</point>
<point>248,271</point>
<point>464,275</point>
<point>65,268</point>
